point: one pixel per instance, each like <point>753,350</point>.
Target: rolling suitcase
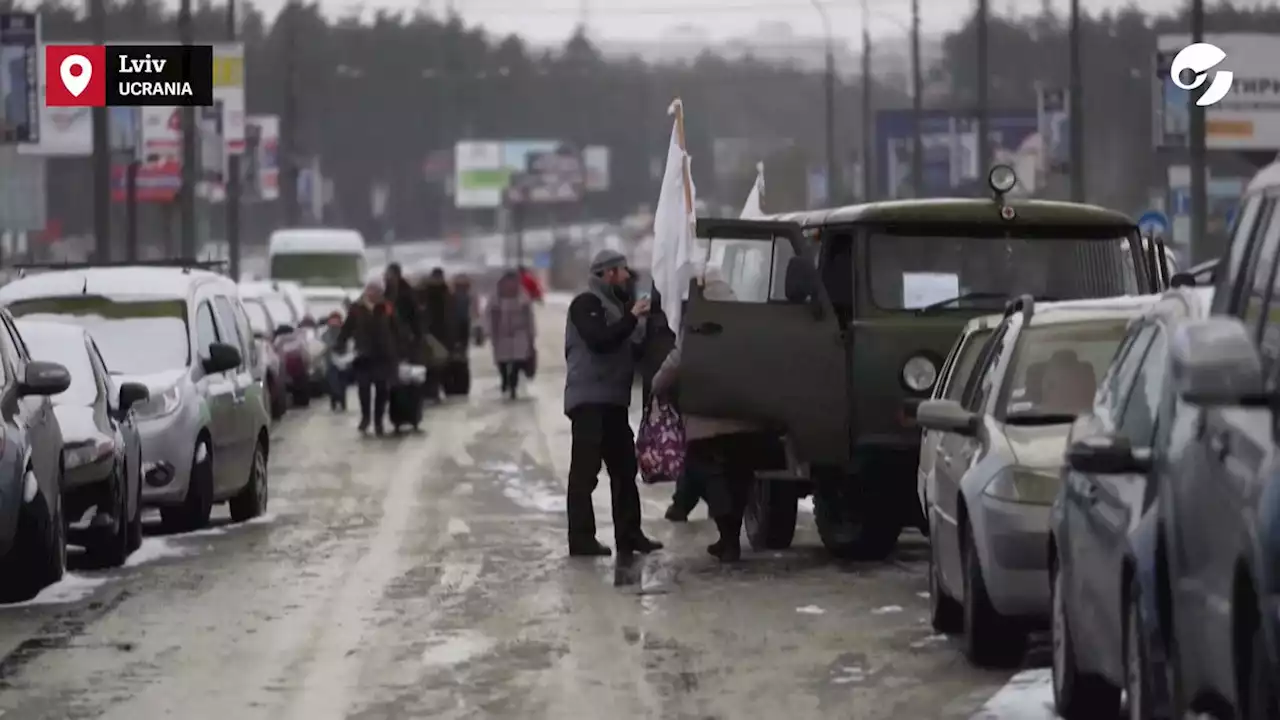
<point>457,378</point>
<point>405,408</point>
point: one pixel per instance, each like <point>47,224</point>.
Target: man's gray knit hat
<point>607,260</point>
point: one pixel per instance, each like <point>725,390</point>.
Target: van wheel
<point>770,518</point>
<point>854,521</point>
<point>109,547</point>
<point>38,557</point>
<point>193,513</point>
<point>251,502</point>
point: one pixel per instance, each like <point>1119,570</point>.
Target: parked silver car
<point>996,470</point>
<point>183,334</point>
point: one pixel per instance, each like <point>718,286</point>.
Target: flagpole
<point>677,108</point>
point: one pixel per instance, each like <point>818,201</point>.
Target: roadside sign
<point>1154,223</point>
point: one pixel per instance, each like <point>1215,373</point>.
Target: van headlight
<point>919,373</point>
<point>1024,486</point>
<point>166,403</point>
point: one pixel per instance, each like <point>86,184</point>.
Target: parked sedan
<point>1107,635</point>
<point>272,369</point>
<point>33,539</point>
<point>289,339</point>
<point>101,452</point>
<point>999,464</point>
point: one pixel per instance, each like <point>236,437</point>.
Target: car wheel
<point>38,557</point>
<point>193,513</point>
<point>1077,695</point>
<point>109,548</point>
<point>1137,665</point>
<point>135,523</point>
<point>945,613</point>
<point>854,521</point>
<point>251,502</point>
<point>989,639</point>
<point>1260,696</point>
<point>770,518</point>
<point>302,396</point>
<point>279,400</point>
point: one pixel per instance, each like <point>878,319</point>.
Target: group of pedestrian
<point>614,333</point>
<point>432,325</point>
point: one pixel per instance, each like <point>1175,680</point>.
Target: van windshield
<point>135,337</point>
<point>911,271</point>
<point>319,269</point>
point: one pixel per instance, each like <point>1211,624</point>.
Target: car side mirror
<point>947,416</point>
<point>1216,363</point>
<point>1108,455</point>
<point>131,394</point>
<point>44,378</point>
<point>284,330</point>
<point>222,357</point>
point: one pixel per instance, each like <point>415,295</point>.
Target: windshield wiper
<point>1034,417</point>
<point>959,298</point>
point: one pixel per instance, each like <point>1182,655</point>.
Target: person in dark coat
<point>401,295</point>
<point>602,333</point>
<point>372,325</point>
<point>437,305</point>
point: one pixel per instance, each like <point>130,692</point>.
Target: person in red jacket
<point>530,283</point>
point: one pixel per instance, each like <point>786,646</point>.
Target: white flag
<point>752,207</point>
<point>673,232</point>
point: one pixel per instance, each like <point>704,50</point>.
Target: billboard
<point>19,78</point>
<point>950,142</point>
<point>23,201</point>
<point>68,131</point>
<point>483,169</point>
<point>552,176</point>
<point>261,160</point>
<point>1248,118</point>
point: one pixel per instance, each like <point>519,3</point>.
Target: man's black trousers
<point>602,435</point>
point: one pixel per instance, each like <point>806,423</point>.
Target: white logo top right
<point>1199,58</point>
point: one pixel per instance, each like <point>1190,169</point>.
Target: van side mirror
<point>1216,363</point>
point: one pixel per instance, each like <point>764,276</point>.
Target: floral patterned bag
<point>660,444</point>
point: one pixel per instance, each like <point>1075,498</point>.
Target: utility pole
<point>835,193</point>
<point>289,146</point>
<point>1075,108</point>
<point>984,110</point>
<point>233,175</point>
<point>101,151</point>
<point>917,105</point>
<point>868,112</point>
<point>190,156</point>
<point>1201,248</point>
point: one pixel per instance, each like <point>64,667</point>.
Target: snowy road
<point>426,577</point>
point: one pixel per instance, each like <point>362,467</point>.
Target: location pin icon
<point>76,71</point>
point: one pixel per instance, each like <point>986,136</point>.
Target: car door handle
<point>707,328</point>
<point>1219,446</point>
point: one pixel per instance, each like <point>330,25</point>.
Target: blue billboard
<point>950,142</point>
<point>19,86</point>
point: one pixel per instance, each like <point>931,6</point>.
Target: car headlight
<point>86,453</point>
<point>919,373</point>
<point>166,403</point>
<point>1024,486</point>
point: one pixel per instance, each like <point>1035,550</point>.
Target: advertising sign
<point>595,162</point>
<point>23,202</point>
<point>1054,108</point>
<point>261,164</point>
<point>950,141</point>
<point>483,169</point>
<point>68,132</point>
<point>19,78</point>
<point>1247,118</point>
<point>552,176</point>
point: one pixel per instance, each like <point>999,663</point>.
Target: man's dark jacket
<point>376,333</point>
<point>658,343</point>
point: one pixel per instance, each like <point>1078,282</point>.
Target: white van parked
<point>318,257</point>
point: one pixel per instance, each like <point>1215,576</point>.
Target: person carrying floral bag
<point>720,455</point>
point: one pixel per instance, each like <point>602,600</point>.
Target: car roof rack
<point>1195,275</point>
<point>1025,304</point>
<point>184,264</point>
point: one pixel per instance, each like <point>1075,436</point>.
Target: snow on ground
<point>1027,696</point>
<point>72,588</point>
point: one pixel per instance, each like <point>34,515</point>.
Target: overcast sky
<point>553,20</point>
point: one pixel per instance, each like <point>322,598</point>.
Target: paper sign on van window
<point>921,289</point>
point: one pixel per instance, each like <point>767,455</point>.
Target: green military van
<point>840,324</point>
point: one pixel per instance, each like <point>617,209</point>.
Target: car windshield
<point>279,310</point>
<point>135,337</point>
<point>1056,367</point>
<point>69,352</point>
<point>259,320</point>
<point>319,269</point>
<point>959,271</point>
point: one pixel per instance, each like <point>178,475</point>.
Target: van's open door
<point>774,354</point>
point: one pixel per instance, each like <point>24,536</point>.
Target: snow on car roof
<point>50,330</point>
<point>1100,308</point>
<point>315,240</point>
<point>114,282</point>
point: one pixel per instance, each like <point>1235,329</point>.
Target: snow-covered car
<point>101,449</point>
<point>184,334</point>
<point>269,366</point>
<point>292,342</point>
